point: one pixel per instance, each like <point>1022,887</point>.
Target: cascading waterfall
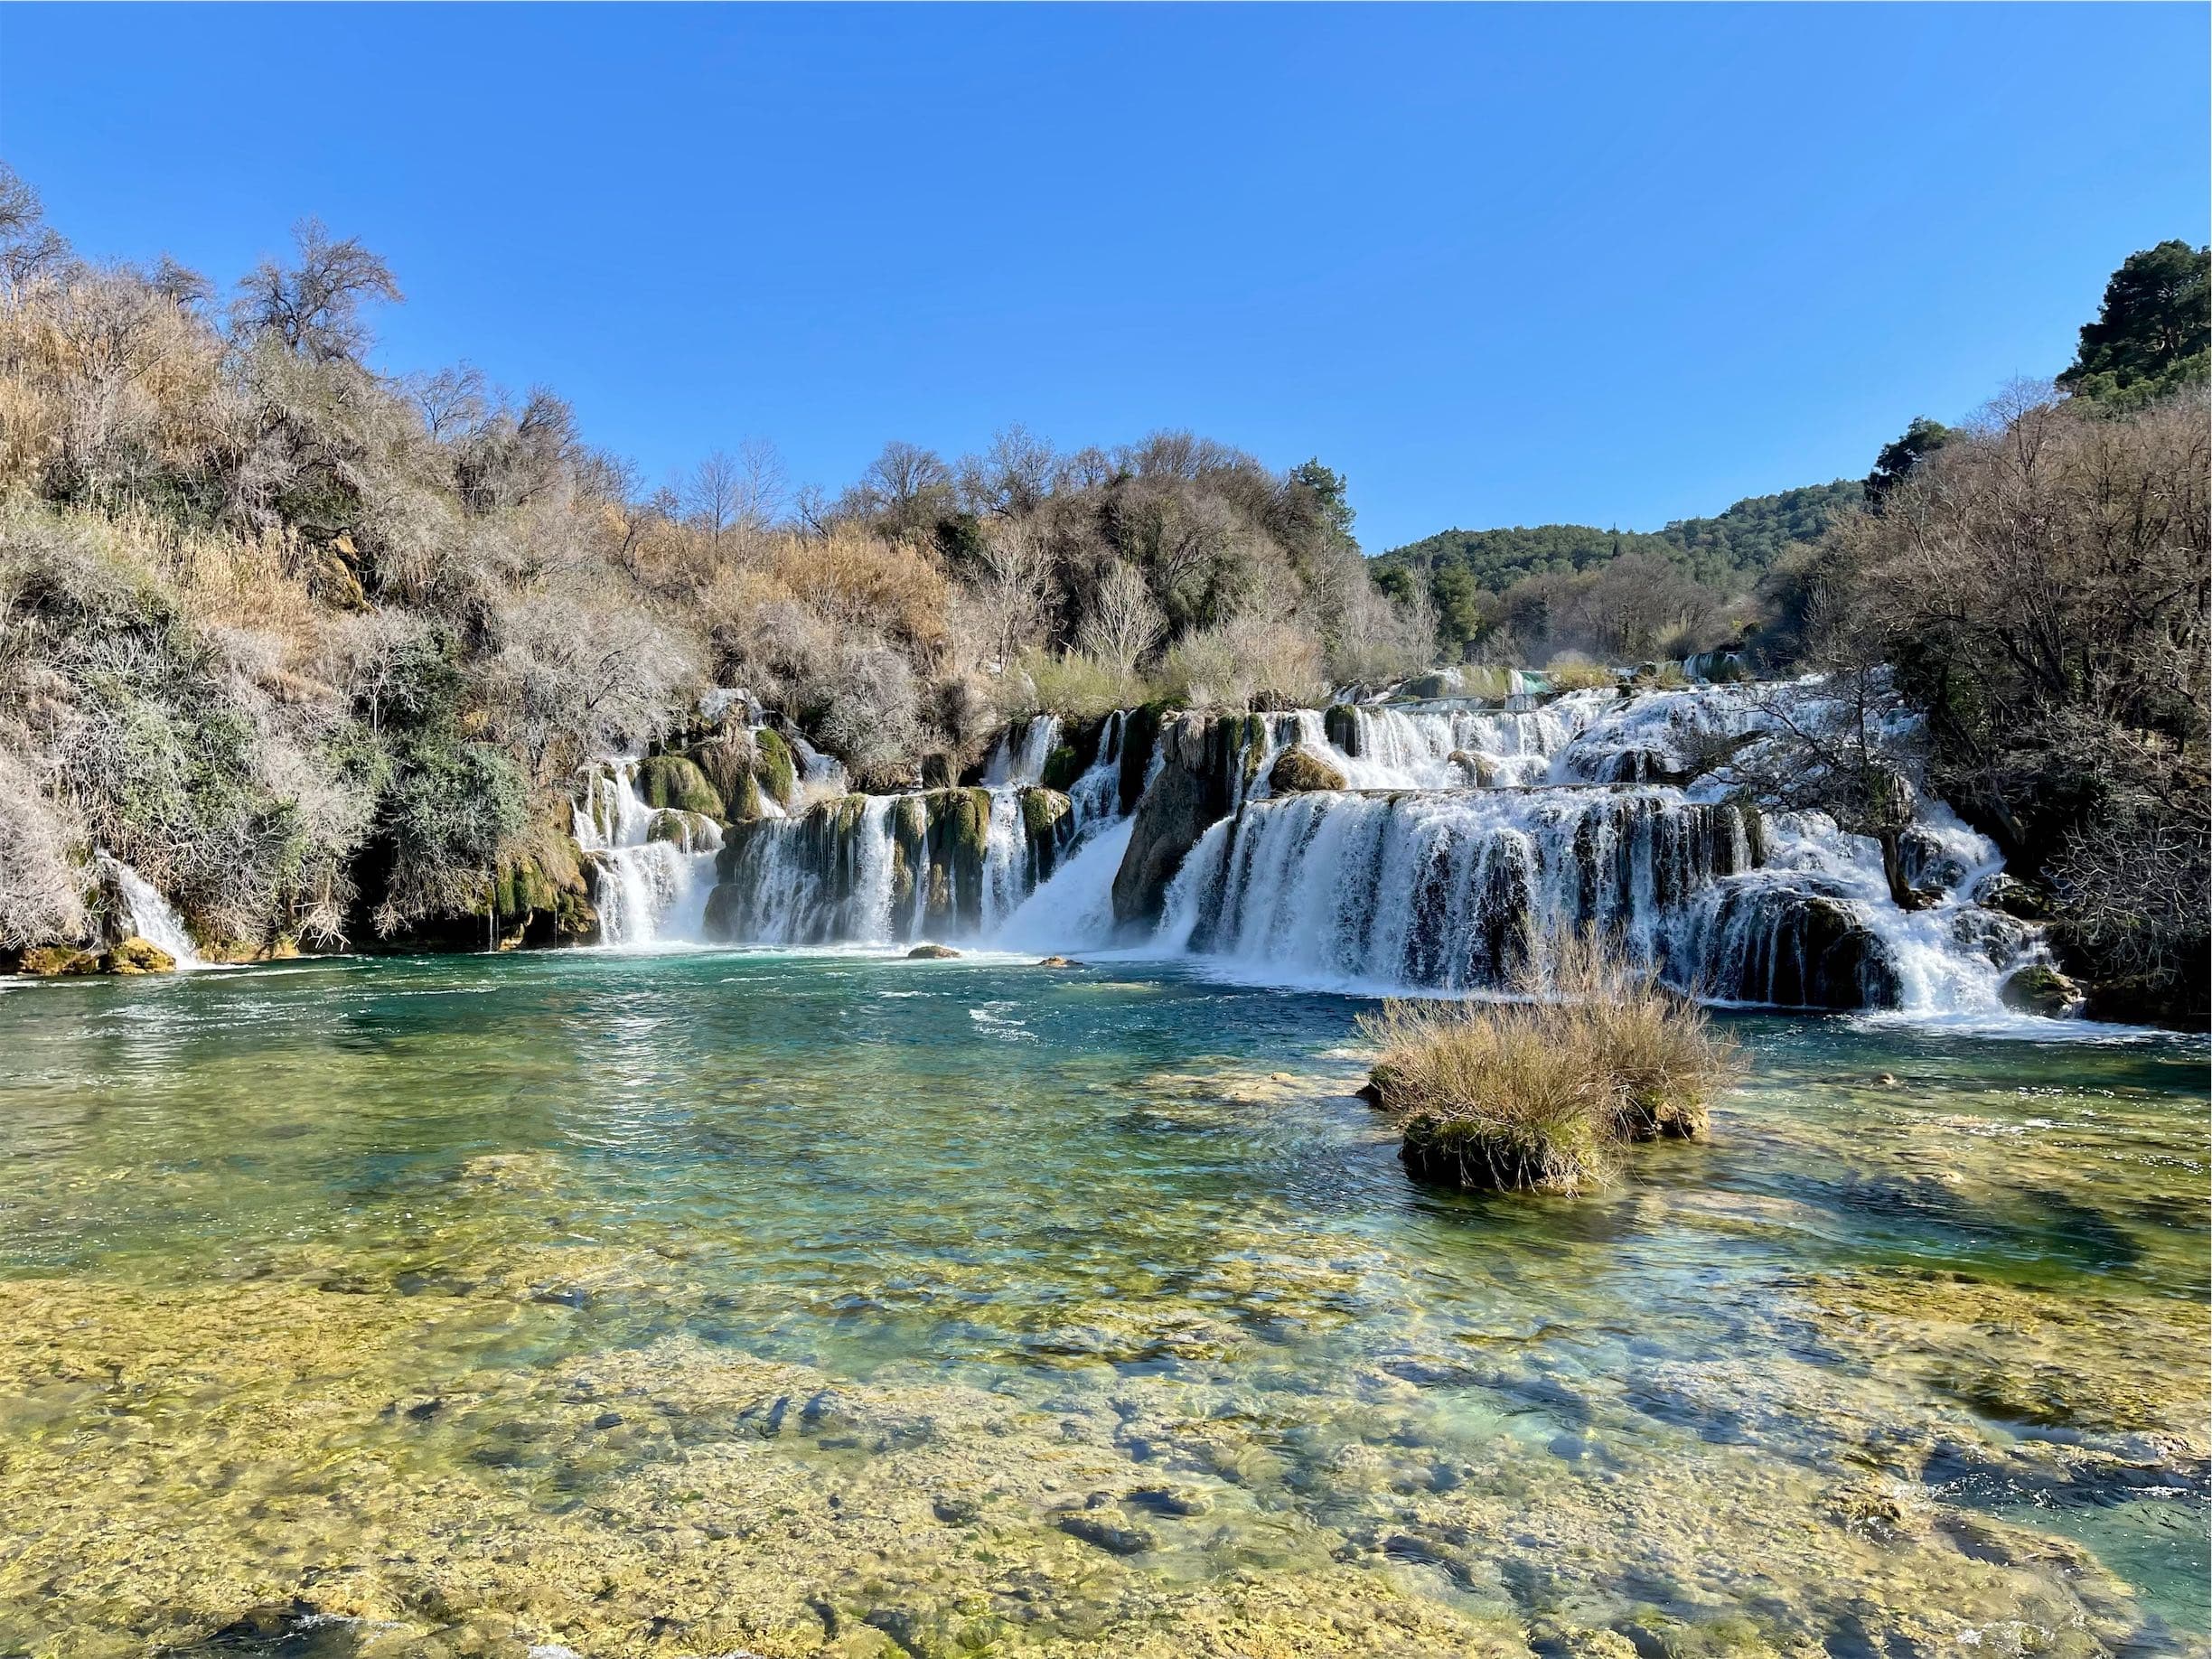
<point>1014,762</point>
<point>1448,890</point>
<point>1469,868</point>
<point>151,916</point>
<point>655,864</point>
<point>1469,840</point>
<point>888,870</point>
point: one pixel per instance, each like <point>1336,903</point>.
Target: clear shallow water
<point>693,1303</point>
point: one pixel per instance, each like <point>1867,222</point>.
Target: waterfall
<point>1471,838</point>
<point>654,864</point>
<point>1455,890</point>
<point>1023,762</point>
<point>888,870</point>
<point>151,916</point>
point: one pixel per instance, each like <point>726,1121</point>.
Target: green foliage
<point>452,810</point>
<point>1728,552</point>
<point>1900,455</point>
<point>2154,330</point>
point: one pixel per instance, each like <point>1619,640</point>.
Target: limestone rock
<point>1299,771</point>
<point>2040,988</point>
<point>136,955</point>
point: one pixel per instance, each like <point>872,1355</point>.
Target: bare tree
<point>1010,478</point>
<point>314,307</point>
<point>1012,582</point>
<point>763,484</point>
<point>905,488</point>
<point>451,401</point>
<point>29,246</point>
<point>1125,624</point>
<point>712,493</point>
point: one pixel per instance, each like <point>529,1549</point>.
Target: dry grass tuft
<point>1539,1095</point>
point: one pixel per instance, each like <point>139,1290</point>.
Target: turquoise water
<point>708,1302</point>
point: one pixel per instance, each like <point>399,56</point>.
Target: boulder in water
<point>2041,989</point>
<point>931,953</point>
<point>1478,769</point>
<point>136,955</point>
<point>1299,771</point>
<point>56,961</point>
<point>1059,961</point>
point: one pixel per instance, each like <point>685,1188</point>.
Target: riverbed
<point>716,1302</point>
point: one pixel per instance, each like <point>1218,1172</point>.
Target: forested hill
<point>1727,552</point>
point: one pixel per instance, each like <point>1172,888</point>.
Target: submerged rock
<point>1059,961</point>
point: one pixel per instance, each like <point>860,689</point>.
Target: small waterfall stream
<point>656,864</point>
<point>151,916</point>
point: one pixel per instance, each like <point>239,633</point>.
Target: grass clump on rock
<point>1541,1095</point>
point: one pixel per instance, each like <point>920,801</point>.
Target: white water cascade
<point>1468,839</point>
<point>152,917</point>
<point>1022,761</point>
<point>656,865</point>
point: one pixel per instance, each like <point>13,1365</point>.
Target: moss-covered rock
<point>1140,735</point>
<point>1299,771</point>
<point>136,955</point>
<point>688,830</point>
<point>53,961</point>
<point>931,953</point>
<point>777,772</point>
<point>1480,1155</point>
<point>673,780</point>
<point>728,759</point>
<point>2041,989</point>
<point>2011,896</point>
<point>1062,767</point>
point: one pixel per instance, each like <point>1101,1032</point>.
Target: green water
<point>708,1303</point>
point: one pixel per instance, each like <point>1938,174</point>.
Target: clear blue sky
<point>1500,265</point>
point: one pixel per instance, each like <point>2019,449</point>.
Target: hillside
<point>1729,551</point>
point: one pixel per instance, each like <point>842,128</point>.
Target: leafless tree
<point>1011,584</point>
<point>712,493</point>
<point>29,246</point>
<point>315,305</point>
<point>1009,478</point>
<point>451,401</point>
<point>763,484</point>
<point>1125,624</point>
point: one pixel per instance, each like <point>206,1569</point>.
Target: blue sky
<point>1499,265</point>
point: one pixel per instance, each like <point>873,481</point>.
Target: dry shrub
<point>1539,1095</point>
<point>1072,684</point>
<point>1246,662</point>
<point>854,581</point>
<point>1570,670</point>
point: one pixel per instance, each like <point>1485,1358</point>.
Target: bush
<point>1539,1095</point>
<point>1072,684</point>
<point>1572,672</point>
<point>1247,662</point>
